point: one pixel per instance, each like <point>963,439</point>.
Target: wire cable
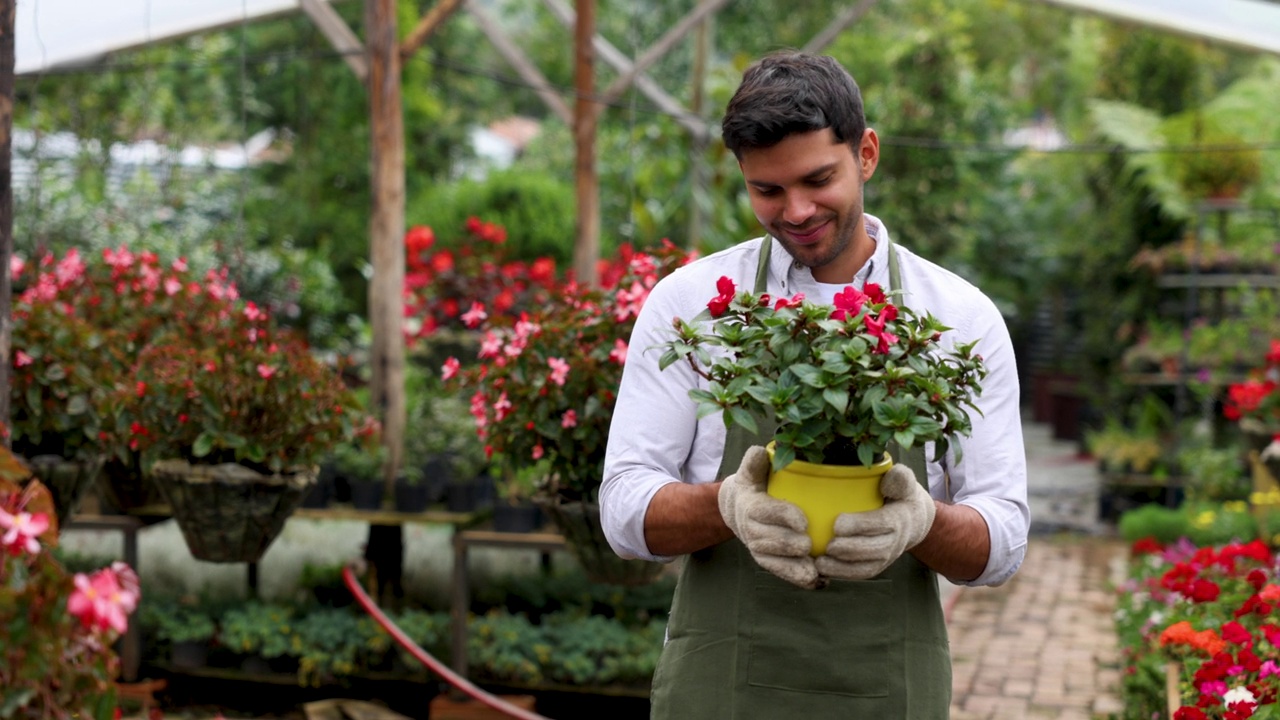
<point>426,658</point>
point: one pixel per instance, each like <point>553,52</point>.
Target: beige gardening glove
<point>866,543</point>
<point>774,531</point>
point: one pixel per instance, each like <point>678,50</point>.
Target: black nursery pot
<point>412,497</point>
<point>518,518</point>
<point>366,494</point>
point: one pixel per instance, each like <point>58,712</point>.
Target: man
<point>758,628</point>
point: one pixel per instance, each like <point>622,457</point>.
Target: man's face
<point>807,192</point>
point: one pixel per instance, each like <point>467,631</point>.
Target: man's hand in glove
<point>774,531</point>
<point>866,543</point>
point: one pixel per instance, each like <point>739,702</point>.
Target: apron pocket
<point>846,639</point>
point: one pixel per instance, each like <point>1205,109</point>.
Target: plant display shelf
<point>463,541</point>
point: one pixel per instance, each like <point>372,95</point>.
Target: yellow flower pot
<point>825,491</point>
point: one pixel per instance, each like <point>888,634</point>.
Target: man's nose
<point>798,208</point>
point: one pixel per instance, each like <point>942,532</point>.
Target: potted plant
<point>361,466</point>
<point>57,659</point>
<point>231,420</point>
<point>544,386</point>
<point>443,443</point>
<point>841,382</point>
<point>185,628</point>
<point>261,634</point>
<point>515,510</point>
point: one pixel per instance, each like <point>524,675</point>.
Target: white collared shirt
<point>656,437</point>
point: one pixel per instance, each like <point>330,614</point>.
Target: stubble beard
<point>820,255</point>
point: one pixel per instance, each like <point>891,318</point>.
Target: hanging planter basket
<point>123,488</point>
<point>579,522</point>
<point>228,512</point>
<point>67,480</point>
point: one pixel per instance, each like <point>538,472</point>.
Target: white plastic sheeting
<point>1247,24</point>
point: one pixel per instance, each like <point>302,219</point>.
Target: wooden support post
<point>386,229</point>
<point>698,170</point>
<point>661,48</point>
<point>7,10</point>
<point>343,39</point>
<point>695,125</point>
<point>586,246</point>
<point>517,59</point>
<point>427,26</point>
<point>837,26</point>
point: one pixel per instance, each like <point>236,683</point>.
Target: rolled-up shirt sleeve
<point>653,427</point>
<point>991,475</point>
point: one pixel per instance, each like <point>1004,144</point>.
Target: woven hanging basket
<point>67,480</point>
<point>579,522</point>
<point>228,512</point>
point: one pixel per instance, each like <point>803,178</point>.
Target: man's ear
<point>868,154</point>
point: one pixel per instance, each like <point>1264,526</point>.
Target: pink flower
<point>70,268</point>
<point>450,369</point>
<point>266,371</point>
<point>172,286</point>
<point>720,303</point>
<point>16,266</point>
<point>476,315</point>
<point>120,259</point>
<point>559,370</point>
<point>874,292</point>
<point>104,600</point>
<point>21,359</point>
<point>569,419</point>
<point>179,265</point>
<point>537,452</point>
<point>1268,669</point>
<point>22,529</point>
<point>502,407</point>
<point>490,346</point>
<point>619,352</point>
<point>253,313</point>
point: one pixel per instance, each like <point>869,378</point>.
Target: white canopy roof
<point>1247,24</point>
<point>52,33</point>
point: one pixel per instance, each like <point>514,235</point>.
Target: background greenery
<point>1046,234</point>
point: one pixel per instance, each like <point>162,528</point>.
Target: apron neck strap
<point>766,247</point>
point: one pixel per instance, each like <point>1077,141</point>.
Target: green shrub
<point>538,211</point>
<point>1155,521</point>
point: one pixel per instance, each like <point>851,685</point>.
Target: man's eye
<point>820,181</point>
<point>767,192</point>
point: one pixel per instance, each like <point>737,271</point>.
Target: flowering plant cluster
<point>446,286</point>
<point>842,380</point>
<point>1254,403</point>
<point>1213,610</point>
<point>126,354</point>
<point>56,661</point>
<point>544,386</point>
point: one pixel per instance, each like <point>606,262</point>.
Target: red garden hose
<point>434,665</point>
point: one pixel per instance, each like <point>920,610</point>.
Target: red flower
<point>1234,633</point>
<point>720,303</point>
<point>848,302</point>
<point>1245,398</point>
<point>874,292</point>
<point>1146,546</point>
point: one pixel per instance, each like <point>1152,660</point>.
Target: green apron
<point>744,644</point>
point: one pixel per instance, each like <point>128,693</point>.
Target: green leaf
<point>742,417</point>
<point>905,439</point>
<point>837,399</point>
<point>55,372</point>
<point>203,444</point>
<point>783,455</point>
<point>77,405</point>
<point>808,374</point>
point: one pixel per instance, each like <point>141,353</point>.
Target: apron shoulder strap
<point>762,264</point>
<point>895,276</point>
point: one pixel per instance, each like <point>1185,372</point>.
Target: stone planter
<point>228,512</point>
<point>521,517</point>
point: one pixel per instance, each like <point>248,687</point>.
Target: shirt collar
<point>784,271</point>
